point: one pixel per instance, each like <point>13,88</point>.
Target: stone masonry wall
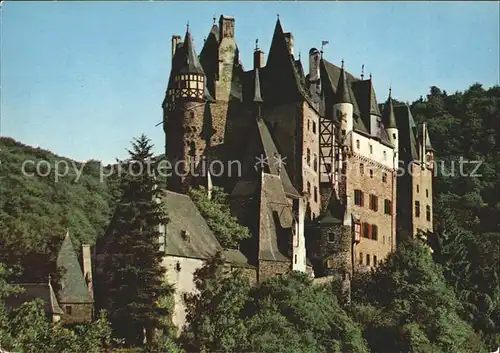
<point>272,268</point>
<point>80,313</point>
<point>422,192</point>
<point>361,179</point>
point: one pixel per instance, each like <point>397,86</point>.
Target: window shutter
<point>376,202</point>
<point>362,198</point>
<point>369,231</point>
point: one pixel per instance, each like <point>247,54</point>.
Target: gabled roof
<point>276,220</point>
<point>428,145</point>
<point>262,146</point>
<point>32,291</point>
<point>199,242</point>
<point>73,286</point>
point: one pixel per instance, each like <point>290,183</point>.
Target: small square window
<point>314,127</point>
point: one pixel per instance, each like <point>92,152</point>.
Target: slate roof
<point>187,59</point>
<point>73,285</point>
<point>262,144</point>
<point>334,212</point>
<point>201,242</point>
<point>408,147</point>
<point>32,291</point>
<point>276,220</point>
<point>388,116</point>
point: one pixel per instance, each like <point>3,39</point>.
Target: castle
<point>326,180</point>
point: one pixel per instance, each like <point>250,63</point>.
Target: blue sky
<point>83,78</point>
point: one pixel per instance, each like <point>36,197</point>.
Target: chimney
<point>258,59</point>
<point>226,27</point>
<point>314,58</point>
<point>87,269</point>
<point>289,41</point>
<point>175,40</point>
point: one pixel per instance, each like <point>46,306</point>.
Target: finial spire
<point>187,26</point>
<point>257,44</point>
<point>214,18</point>
<point>362,71</point>
<point>342,63</point>
<point>278,16</point>
<point>390,91</point>
<point>299,55</point>
<point>370,75</point>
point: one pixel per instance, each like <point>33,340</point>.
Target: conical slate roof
<point>342,95</point>
<point>334,213</point>
<point>189,63</point>
<point>428,145</point>
<point>74,288</point>
<point>389,118</point>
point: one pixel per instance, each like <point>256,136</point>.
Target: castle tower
<point>343,107</point>
<point>389,120</point>
<point>184,110</point>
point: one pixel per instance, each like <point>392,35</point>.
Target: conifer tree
<point>134,271</point>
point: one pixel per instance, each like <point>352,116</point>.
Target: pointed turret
<point>342,95</point>
<point>388,116</point>
<point>74,289</point>
<point>190,63</point>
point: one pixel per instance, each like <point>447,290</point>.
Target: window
<point>418,188</point>
<point>315,161</point>
<point>178,266</point>
<point>385,155</point>
<point>374,232</point>
<point>367,259</point>
<point>308,157</point>
<point>331,237</point>
<point>357,144</point>
<point>361,168</point>
<point>343,132</point>
<point>374,260</point>
<point>295,258</point>
<point>428,213</point>
<point>360,258</point>
<point>68,309</point>
<point>383,239</point>
<point>394,136</point>
<point>358,198</point>
<point>387,206</point>
<point>417,208</point>
<point>366,230</point>
<point>371,173</point>
<point>315,194</point>
<point>314,127</point>
<point>371,149</point>
<point>357,232</point>
<point>384,178</point>
<point>339,113</point>
<point>309,188</point>
<point>373,202</point>
<point>426,192</point>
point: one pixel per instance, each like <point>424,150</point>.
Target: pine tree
<point>134,271</point>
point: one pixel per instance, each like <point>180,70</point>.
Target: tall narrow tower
<point>184,110</point>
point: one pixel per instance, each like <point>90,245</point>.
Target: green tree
<point>410,303</point>
<point>135,276</point>
<point>217,212</point>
